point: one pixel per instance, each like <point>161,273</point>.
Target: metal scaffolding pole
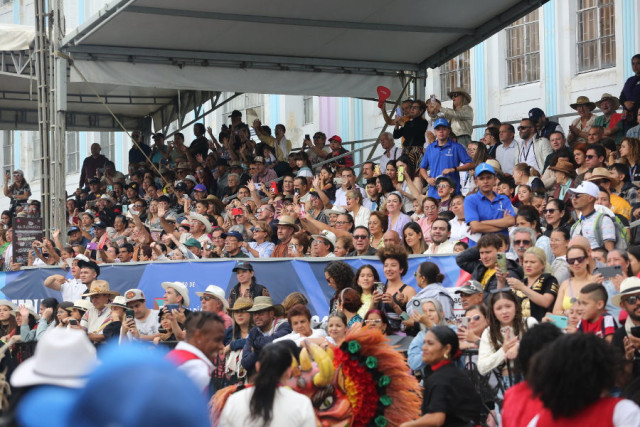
<point>58,126</point>
<point>43,80</point>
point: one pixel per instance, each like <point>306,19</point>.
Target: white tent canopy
<point>328,47</point>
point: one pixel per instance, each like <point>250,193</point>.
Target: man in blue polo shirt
<point>486,211</point>
<point>444,157</point>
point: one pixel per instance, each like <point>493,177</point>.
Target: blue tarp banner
<point>280,276</point>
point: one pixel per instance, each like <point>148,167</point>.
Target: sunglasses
<point>360,237</point>
<point>370,321</point>
<point>474,318</point>
<point>546,211</point>
<point>579,260</point>
<point>590,156</point>
<point>633,299</point>
<point>256,230</point>
<point>454,94</point>
<point>522,242</point>
<point>523,127</point>
<point>206,298</point>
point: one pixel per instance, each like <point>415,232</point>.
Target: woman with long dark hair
<point>557,215</point>
<point>449,398</point>
<point>396,293</point>
<point>339,276</point>
<point>413,240</point>
<point>235,337</point>
<point>268,403</point>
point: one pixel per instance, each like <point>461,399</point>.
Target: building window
<point>37,154</point>
<point>523,50</point>
<point>73,153</point>
<point>455,73</point>
<point>7,150</point>
<point>308,109</point>
<point>596,35</point>
<point>107,143</point>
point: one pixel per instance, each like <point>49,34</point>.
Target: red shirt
<point>603,326</point>
<point>598,414</point>
<point>520,406</point>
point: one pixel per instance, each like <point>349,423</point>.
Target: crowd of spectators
<point>541,223</point>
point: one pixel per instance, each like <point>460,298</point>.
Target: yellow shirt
<point>487,275</point>
<point>620,206</point>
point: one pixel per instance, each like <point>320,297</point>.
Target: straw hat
<point>215,291</point>
<point>629,286</point>
<point>242,303</point>
<point>583,100</point>
<point>50,363</point>
<point>100,287</point>
<point>609,97</point>
<point>203,219</point>
<point>565,167</point>
<point>289,221</point>
<point>461,91</point>
<point>602,173</point>
<point>265,303</point>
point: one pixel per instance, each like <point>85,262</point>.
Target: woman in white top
<point>268,403</point>
<point>359,213</point>
<point>499,342</point>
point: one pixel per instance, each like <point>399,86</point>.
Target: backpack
<point>622,234</point>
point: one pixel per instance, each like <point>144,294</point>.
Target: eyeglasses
<point>523,127</point>
<point>522,242</point>
<point>360,237</point>
<point>633,299</point>
<point>550,211</point>
<point>342,222</point>
<point>138,206</point>
<point>579,260</point>
<point>430,208</point>
<point>370,321</point>
<point>442,186</point>
<point>416,274</point>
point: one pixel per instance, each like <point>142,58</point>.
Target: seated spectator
<point>427,316</point>
<point>579,128</point>
<point>362,241</point>
<point>145,322</point>
<point>235,338</point>
<point>299,317</point>
<point>344,246</point>
<point>335,144</point>
<point>481,262</point>
<point>323,244</point>
<point>213,300</point>
<point>299,245</point>
<point>336,328</point>
<point>270,325</point>
<point>396,293</point>
<point>339,276</point>
<point>233,242</point>
<point>261,246</point>
<point>349,303</point>
<point>376,319</point>
<point>99,315</point>
<point>470,330</point>
<point>117,327</point>
<point>595,320</point>
<point>440,238</point>
<point>397,218</point>
<point>499,342</point>
<point>429,279</point>
<point>413,240</point>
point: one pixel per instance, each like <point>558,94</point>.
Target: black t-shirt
<point>546,284</point>
<point>199,146</point>
<point>618,341</point>
<point>449,390</point>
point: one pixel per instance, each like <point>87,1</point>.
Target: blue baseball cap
<point>484,167</point>
<point>441,122</point>
<point>235,234</point>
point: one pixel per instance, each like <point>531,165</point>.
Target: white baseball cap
<point>586,187</point>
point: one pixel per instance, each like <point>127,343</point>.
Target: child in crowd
<point>593,298</point>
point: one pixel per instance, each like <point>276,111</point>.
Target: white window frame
<point>598,63</point>
<point>72,164</point>
<point>307,103</point>
<point>517,53</point>
<point>7,151</point>
<point>458,72</point>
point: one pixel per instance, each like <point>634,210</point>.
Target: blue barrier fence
<point>280,276</point>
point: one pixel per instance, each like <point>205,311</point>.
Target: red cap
<point>336,138</point>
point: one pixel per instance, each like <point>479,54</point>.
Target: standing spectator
<point>317,149</point>
<point>19,191</point>
<point>460,116</point>
<point>413,131</point>
<point>630,96</point>
<point>99,315</point>
<point>200,145</point>
<point>391,152</point>
<point>194,356</point>
<point>145,326</point>
<point>138,150</point>
<point>335,144</point>
<point>92,164</point>
<point>286,227</point>
<point>445,157</point>
<point>214,301</point>
<point>579,128</point>
<point>533,151</point>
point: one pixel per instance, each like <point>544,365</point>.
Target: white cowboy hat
<point>181,288</point>
<point>63,357</point>
<point>217,292</point>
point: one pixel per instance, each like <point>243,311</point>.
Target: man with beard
<point>624,338</point>
<point>440,243</point>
